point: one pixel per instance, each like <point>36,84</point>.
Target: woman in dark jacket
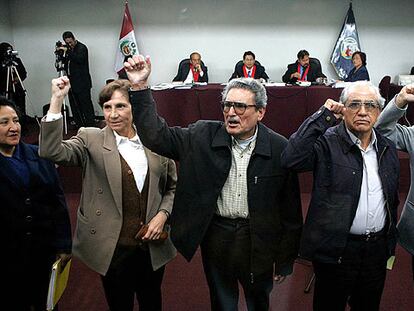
<point>359,72</point>
<point>34,220</point>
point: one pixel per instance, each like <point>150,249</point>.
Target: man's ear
<point>261,112</point>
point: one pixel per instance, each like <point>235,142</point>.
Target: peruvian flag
<point>127,45</point>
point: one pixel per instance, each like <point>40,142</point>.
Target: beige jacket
<point>99,216</point>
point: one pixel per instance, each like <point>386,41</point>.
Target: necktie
<point>249,73</point>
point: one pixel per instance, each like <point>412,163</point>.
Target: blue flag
<point>346,45</point>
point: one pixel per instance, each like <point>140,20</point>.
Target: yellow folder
<point>57,284</point>
<point>390,262</point>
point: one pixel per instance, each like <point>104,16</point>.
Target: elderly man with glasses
<point>349,232</point>
<point>232,197</point>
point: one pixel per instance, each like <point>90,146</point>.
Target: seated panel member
<point>249,68</point>
<point>192,70</point>
<point>304,69</point>
<point>359,72</point>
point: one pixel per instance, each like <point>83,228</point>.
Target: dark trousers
<point>130,274</point>
<point>82,107</point>
<point>226,254</point>
<point>357,280</point>
<point>25,282</point>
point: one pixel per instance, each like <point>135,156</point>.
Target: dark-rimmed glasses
<point>239,108</point>
<point>369,106</point>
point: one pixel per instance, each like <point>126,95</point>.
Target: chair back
<point>187,61</point>
<point>384,87</point>
<point>314,61</point>
<point>240,63</point>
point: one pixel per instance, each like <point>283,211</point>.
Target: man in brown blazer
<point>124,186</point>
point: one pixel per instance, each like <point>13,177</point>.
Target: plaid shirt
<point>232,202</point>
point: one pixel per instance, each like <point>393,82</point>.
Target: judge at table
<point>304,69</point>
<point>192,69</point>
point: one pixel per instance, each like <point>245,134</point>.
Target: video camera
<point>58,51</point>
<point>10,57</point>
<point>60,56</point>
<point>11,53</point>
<point>59,44</point>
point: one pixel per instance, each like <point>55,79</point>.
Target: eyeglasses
<point>239,108</point>
<point>356,105</point>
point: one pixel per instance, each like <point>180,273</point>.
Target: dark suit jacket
<point>359,75</point>
<point>79,76</point>
<point>33,218</point>
<point>34,228</point>
<point>259,74</point>
<point>204,152</point>
<point>328,151</point>
<point>315,71</point>
<point>184,68</point>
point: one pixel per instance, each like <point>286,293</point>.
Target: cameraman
<point>76,57</point>
<point>15,90</point>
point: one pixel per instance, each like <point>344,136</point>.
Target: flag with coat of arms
<point>127,45</point>
<point>346,45</point>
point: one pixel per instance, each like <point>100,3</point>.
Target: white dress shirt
<point>131,149</point>
<point>371,214</point>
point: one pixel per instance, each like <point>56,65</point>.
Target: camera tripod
<point>12,73</point>
<point>61,65</point>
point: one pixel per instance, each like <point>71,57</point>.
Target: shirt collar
<point>17,153</point>
<point>120,139</point>
<point>245,142</point>
<point>357,141</point>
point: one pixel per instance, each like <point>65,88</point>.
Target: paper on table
<point>274,84</point>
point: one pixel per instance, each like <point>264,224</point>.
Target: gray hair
<point>250,84</point>
<point>349,88</point>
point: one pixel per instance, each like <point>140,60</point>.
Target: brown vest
<point>134,206</point>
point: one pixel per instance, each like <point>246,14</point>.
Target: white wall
<point>169,30</point>
<point>5,25</point>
